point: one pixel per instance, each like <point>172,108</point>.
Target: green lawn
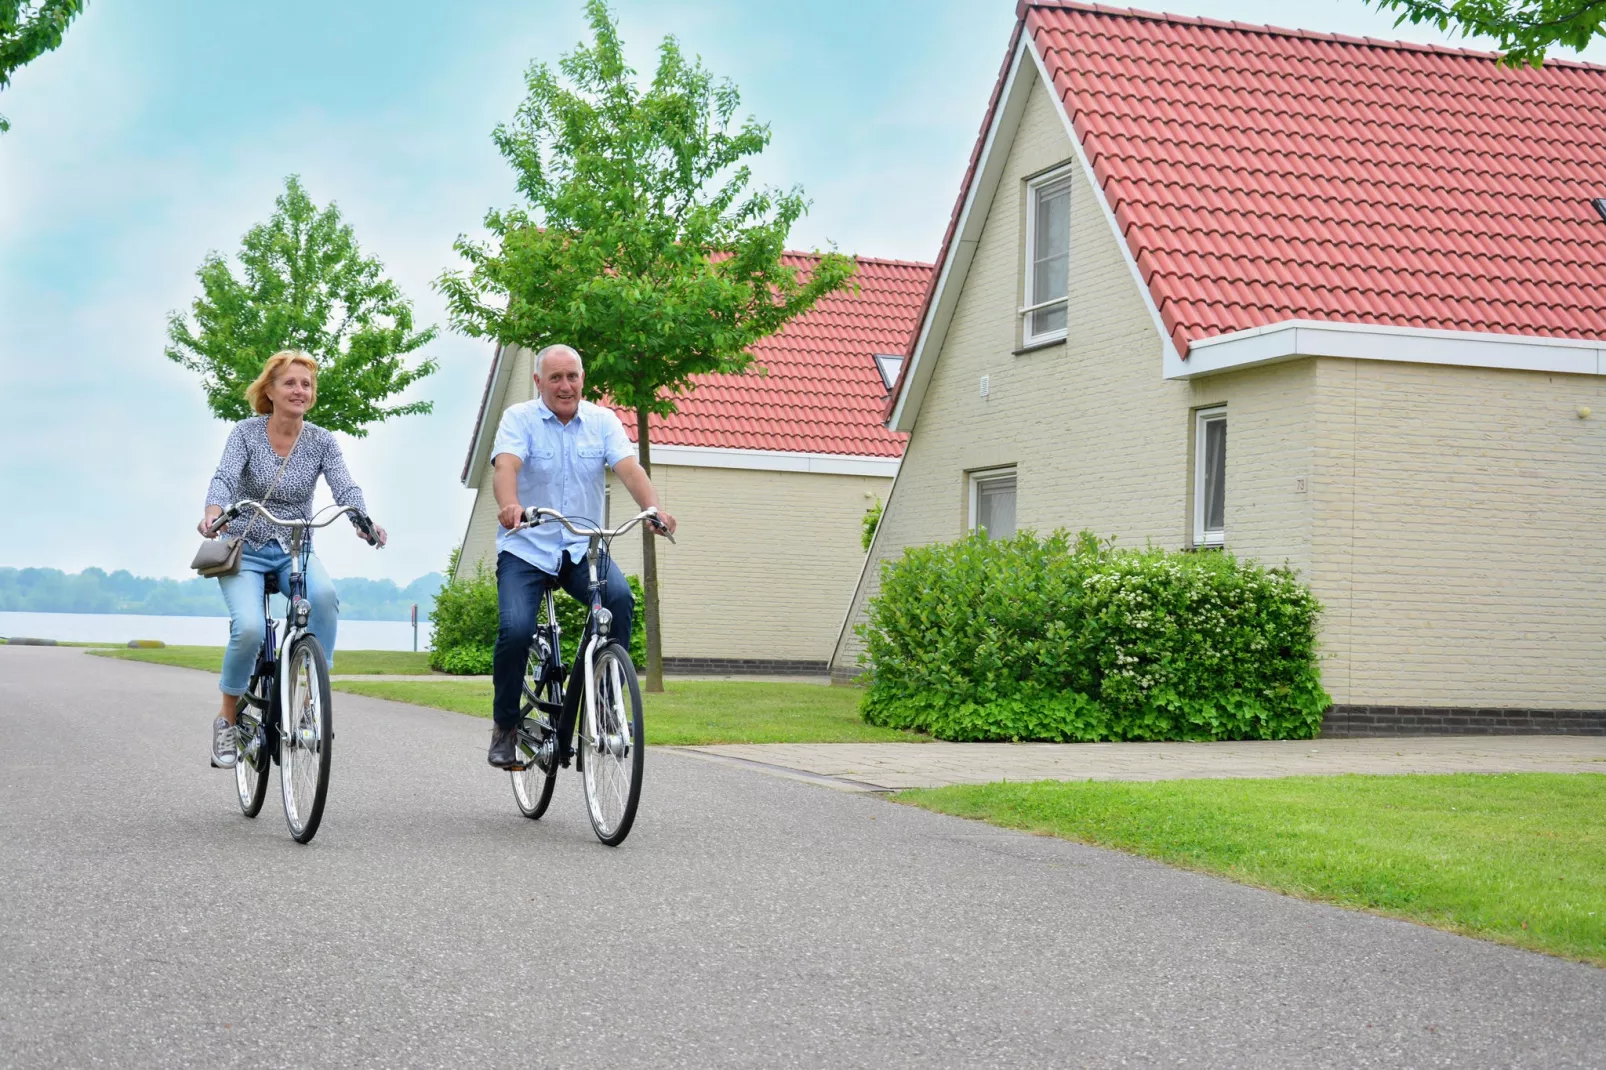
<point>691,711</point>
<point>1518,858</point>
<point>210,659</point>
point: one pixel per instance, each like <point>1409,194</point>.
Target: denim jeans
<point>243,593</point>
<point>519,587</point>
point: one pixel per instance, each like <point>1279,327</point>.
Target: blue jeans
<point>519,587</point>
<point>243,592</point>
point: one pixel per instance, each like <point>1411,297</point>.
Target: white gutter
<point>840,464</point>
<point>1292,339</point>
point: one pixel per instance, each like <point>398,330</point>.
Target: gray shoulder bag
<point>220,556</point>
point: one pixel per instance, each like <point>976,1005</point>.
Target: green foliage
<point>306,286</point>
<point>870,521</point>
<point>1071,640</point>
<point>1523,29</point>
<point>465,615</point>
<point>473,660</point>
<point>640,244</point>
<point>466,620</point>
<point>48,590</point>
<point>28,30</point>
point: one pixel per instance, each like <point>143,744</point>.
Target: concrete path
<point>747,922</point>
<point>894,766</point>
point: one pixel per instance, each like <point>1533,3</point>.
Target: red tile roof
<point>1261,175</point>
<point>819,390</point>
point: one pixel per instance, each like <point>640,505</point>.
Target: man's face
<point>561,383</point>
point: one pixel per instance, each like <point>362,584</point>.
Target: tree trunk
<point>649,572</point>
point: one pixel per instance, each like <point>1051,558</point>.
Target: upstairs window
<point>992,502</point>
<point>1048,258</point>
<point>1210,477</point>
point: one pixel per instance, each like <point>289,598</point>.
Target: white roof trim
<point>836,464</point>
<point>954,268</point>
<point>1292,339</point>
<point>1168,349</point>
<point>479,450</point>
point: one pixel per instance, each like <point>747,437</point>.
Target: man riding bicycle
<point>554,452</point>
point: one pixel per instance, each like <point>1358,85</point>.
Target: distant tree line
<point>94,590</point>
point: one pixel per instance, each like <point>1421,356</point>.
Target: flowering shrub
<point>1063,639</point>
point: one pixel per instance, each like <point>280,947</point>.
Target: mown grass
<point>1517,858</point>
<point>210,659</point>
<point>690,712</point>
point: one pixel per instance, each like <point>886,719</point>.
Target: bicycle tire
<point>613,747</point>
<point>532,789</point>
<point>306,751</point>
<point>252,773</point>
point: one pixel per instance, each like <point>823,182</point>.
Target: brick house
<point>769,475</point>
<point>1333,302</point>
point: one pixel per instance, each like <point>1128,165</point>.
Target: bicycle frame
<point>599,622</point>
<point>298,611</point>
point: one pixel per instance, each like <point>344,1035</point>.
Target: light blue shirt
<point>565,466</point>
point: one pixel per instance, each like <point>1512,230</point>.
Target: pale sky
<point>163,129</point>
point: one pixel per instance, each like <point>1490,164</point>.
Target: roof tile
<point>813,387</point>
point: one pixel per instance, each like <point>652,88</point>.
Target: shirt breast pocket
<point>590,457</point>
<point>540,474</point>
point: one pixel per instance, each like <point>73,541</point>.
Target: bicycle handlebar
<point>537,515</point>
<point>364,523</point>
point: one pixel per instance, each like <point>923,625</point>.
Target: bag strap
<point>279,475</point>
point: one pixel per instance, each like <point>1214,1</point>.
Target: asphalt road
<point>748,921</point>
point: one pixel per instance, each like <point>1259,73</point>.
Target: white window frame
<point>1034,188</point>
<point>1201,537</point>
<point>984,475</point>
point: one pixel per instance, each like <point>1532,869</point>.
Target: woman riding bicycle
<point>277,451</point>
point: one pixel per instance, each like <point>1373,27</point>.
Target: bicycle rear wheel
<point>532,786</point>
<point>304,750</point>
<point>611,742</point>
<point>252,761</point>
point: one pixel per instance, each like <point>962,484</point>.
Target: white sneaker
<point>223,747</point>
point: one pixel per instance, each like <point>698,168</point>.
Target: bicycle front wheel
<point>532,785</point>
<point>252,762</point>
<point>305,746</point>
<point>611,743</point>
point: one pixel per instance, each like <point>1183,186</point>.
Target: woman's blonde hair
<point>257,392</point>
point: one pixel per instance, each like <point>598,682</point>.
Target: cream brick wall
<point>1459,535</point>
<point>763,564</point>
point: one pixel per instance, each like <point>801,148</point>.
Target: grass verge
<point>210,659</point>
<point>1516,858</point>
<point>690,712</point>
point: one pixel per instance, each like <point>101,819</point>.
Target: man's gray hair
<point>540,357</point>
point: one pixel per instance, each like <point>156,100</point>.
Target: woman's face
<point>292,392</point>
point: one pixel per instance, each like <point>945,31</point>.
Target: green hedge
<point>1063,639</point>
<point>466,619</point>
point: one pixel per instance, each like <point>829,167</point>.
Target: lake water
<point>191,631</point>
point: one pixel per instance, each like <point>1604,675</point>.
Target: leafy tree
<point>641,243</point>
<point>1524,29</point>
<point>28,31</point>
<point>306,286</point>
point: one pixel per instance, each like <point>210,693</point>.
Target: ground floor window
<point>992,502</point>
<point>1210,477</point>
